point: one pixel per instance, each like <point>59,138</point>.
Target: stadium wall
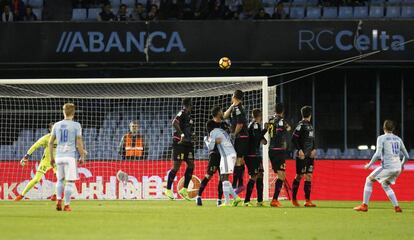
<point>333,180</point>
<point>179,42</point>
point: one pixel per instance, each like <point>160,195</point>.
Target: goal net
<point>105,109</point>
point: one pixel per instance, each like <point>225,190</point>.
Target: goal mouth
<point>105,108</point>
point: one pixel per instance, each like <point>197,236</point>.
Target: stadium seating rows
<point>297,9</point>
<point>102,143</point>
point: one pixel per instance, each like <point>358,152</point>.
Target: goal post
<point>105,108</point>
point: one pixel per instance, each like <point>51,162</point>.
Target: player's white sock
<point>226,191</point>
<point>59,189</point>
<point>69,186</point>
<point>367,191</point>
<point>390,193</point>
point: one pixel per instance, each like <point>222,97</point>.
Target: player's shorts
<point>45,166</point>
<point>385,175</point>
<point>213,163</point>
<point>227,164</point>
<point>66,169</point>
<point>305,166</point>
<point>278,160</point>
<point>183,152</point>
<point>253,164</point>
<point>241,145</point>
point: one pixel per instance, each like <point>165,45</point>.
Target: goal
<point>105,108</point>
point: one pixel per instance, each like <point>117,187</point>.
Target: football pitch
<point>183,220</point>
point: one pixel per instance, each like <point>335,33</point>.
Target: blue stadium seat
<point>93,13</point>
<point>313,2</point>
<point>320,153</point>
<point>313,13</point>
<point>407,12</point>
<point>346,12</point>
<point>411,153</point>
<point>361,12</point>
<point>38,12</point>
<point>408,1</point>
<point>333,153</point>
<point>365,154</point>
<point>79,14</point>
<point>393,12</point>
<point>330,12</point>
<point>376,12</point>
<point>36,3</point>
<point>129,3</point>
<point>394,2</point>
<point>297,12</point>
<point>115,3</point>
<point>143,2</point>
<point>377,2</point>
<point>350,153</point>
<point>268,3</point>
<point>299,2</point>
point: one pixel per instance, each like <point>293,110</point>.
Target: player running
<point>68,135</point>
<point>303,140</point>
<point>44,165</point>
<point>389,148</point>
<point>239,132</point>
<point>221,139</point>
<point>278,129</point>
<point>183,149</point>
<point>214,155</point>
<point>254,160</point>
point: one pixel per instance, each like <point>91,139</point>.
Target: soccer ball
<point>192,187</point>
<point>224,63</point>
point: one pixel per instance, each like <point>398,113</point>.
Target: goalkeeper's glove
<point>24,160</point>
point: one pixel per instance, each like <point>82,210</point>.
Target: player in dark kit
<point>238,130</point>
<point>278,129</point>
<point>254,160</point>
<point>304,141</point>
<point>214,155</point>
<point>183,149</point>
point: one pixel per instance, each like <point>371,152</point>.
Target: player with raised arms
<point>303,139</point>
<point>238,119</point>
<point>68,136</point>
<point>389,148</point>
<point>183,149</point>
<point>44,165</point>
<point>254,160</point>
<point>221,139</point>
<point>213,155</point>
<point>278,129</point>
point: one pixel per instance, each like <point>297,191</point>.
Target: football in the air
<point>224,63</point>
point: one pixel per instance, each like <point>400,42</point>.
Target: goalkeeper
<point>44,165</point>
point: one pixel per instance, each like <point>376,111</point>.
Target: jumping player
<point>44,165</point>
<point>254,160</point>
<point>303,140</point>
<point>183,149</point>
<point>68,136</point>
<point>278,129</point>
<point>389,148</point>
<point>214,155</point>
<point>239,132</point>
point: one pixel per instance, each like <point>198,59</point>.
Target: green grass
<point>183,220</point>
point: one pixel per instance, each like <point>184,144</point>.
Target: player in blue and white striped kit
<point>220,138</point>
<point>68,135</point>
<point>389,148</point>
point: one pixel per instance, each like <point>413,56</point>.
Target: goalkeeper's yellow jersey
<point>43,142</point>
